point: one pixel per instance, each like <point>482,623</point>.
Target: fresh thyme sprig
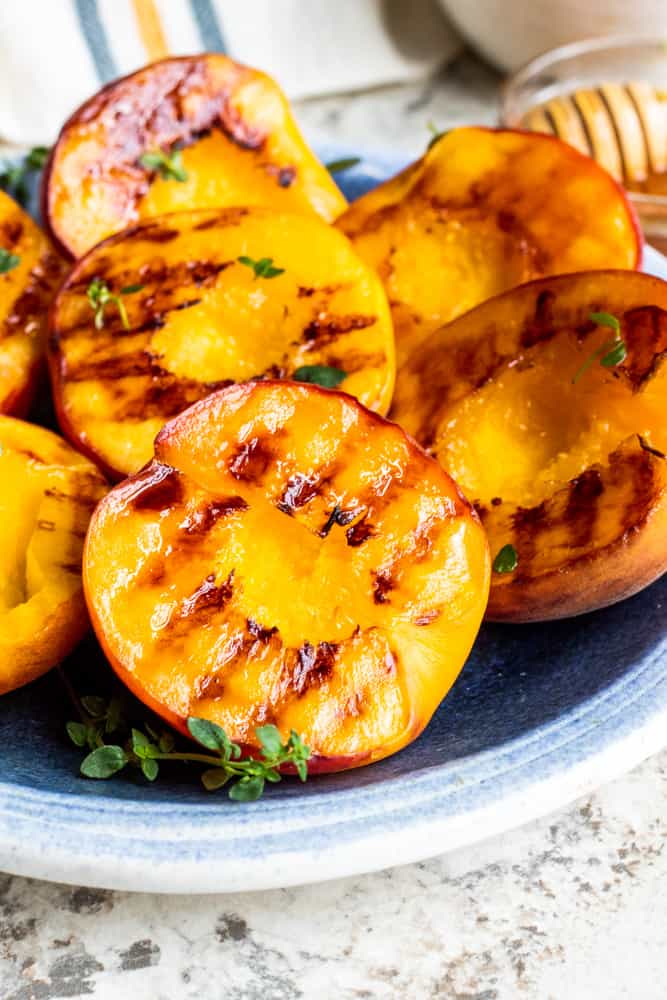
<point>168,165</point>
<point>145,748</point>
<point>436,134</point>
<point>13,177</point>
<point>263,268</point>
<point>324,375</point>
<point>8,261</point>
<point>346,163</point>
<point>507,560</point>
<point>612,353</point>
<point>100,296</point>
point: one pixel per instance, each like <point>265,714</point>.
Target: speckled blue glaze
<point>540,714</point>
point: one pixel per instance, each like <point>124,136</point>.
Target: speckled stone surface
<point>572,907</point>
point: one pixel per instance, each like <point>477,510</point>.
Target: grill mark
<point>115,367</point>
<point>206,224</point>
<point>527,523</point>
<point>162,491</point>
<point>640,467</point>
<point>184,305</point>
<point>383,584</point>
<point>541,327</point>
<point>200,273</point>
<point>201,520</point>
<point>355,361</point>
<point>12,231</point>
<point>206,598</point>
<point>313,666</point>
<point>204,272</point>
<point>33,456</point>
<point>150,234</point>
<point>326,329</point>
<point>360,532</point>
<point>89,502</point>
<point>258,632</point>
<point>29,308</point>
<point>210,686</point>
<point>71,567</point>
<point>581,509</point>
<point>307,291</point>
<point>645,333</point>
<point>251,461</point>
<point>166,397</point>
<point>299,491</point>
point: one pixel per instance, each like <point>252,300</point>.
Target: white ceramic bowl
<point>510,32</point>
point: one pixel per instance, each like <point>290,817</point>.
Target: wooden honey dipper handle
<point>622,126</point>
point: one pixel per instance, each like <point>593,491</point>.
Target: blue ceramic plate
<point>540,715</point>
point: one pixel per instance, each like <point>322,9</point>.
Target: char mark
<point>383,584</point>
<point>12,231</point>
<point>325,329</point>
<point>206,598</point>
<point>150,233</point>
<point>259,632</point>
<point>313,666</point>
<point>200,521</point>
<point>645,333</point>
<point>164,489</point>
<point>541,327</point>
<point>360,532</point>
<point>241,132</point>
<point>299,491</point>
<point>80,499</point>
<point>114,367</point>
<point>580,512</point>
<point>251,460</point>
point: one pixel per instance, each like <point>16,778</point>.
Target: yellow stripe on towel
<point>150,29</point>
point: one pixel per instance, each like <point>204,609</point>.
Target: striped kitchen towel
<point>56,53</point>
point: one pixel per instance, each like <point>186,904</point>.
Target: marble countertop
<point>571,907</point>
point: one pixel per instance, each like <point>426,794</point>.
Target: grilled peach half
<point>482,211</point>
<point>289,557</point>
<point>220,296</point>
<point>548,406</point>
<point>196,132</point>
<point>47,493</point>
<point>30,272</point>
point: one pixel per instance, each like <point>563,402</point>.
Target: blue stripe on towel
<point>96,39</point>
<point>208,25</point>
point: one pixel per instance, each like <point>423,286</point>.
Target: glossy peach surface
<point>239,144</point>
<point>484,210</point>
<point>565,463</point>
<point>47,493</point>
<point>289,557</point>
<point>26,292</point>
<point>202,319</point>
